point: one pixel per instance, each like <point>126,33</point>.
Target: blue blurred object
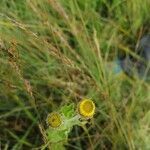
<point>135,67</point>
<point>117,69</point>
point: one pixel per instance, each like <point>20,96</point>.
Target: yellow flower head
<point>54,120</point>
<point>86,108</point>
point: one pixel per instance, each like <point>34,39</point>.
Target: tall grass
<point>54,52</point>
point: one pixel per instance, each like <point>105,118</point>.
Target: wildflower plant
<point>60,123</point>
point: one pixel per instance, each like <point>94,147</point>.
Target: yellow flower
<point>54,120</point>
<point>86,108</point>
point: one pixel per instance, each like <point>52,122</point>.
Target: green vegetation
<point>55,52</point>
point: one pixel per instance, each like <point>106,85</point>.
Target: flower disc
<point>54,120</point>
<point>86,108</point>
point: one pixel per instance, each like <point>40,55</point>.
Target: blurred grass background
<point>54,52</point>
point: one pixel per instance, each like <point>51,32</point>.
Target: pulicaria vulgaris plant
<point>60,123</point>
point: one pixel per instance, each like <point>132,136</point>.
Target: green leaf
<point>68,111</point>
<point>58,146</point>
<point>55,135</point>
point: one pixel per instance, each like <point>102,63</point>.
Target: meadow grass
<point>54,52</point>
